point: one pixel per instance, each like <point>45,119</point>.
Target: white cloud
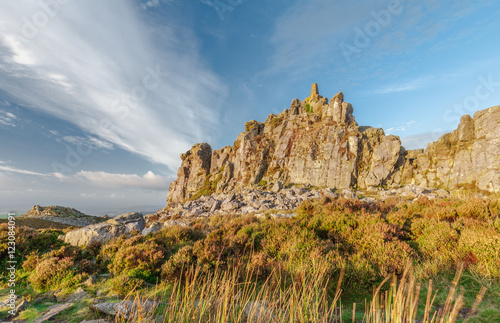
<point>148,181</point>
<point>401,127</point>
<point>7,119</point>
<point>101,66</point>
<point>421,140</point>
<point>92,142</point>
<point>5,168</point>
<point>150,4</point>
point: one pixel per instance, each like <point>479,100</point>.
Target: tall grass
<point>227,296</point>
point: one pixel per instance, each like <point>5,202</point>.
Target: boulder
<point>52,311</point>
<point>125,224</point>
<point>128,310</point>
<point>78,296</point>
<point>153,228</point>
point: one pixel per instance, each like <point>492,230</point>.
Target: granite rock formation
<point>125,224</point>
<point>62,214</point>
<point>318,142</point>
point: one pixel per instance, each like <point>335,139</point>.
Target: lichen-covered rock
<point>62,214</point>
<point>318,142</point>
<point>125,224</point>
<point>192,173</point>
<point>469,156</point>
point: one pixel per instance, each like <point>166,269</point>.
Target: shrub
<point>178,263</point>
<point>50,272</point>
<point>480,248</point>
<point>138,259</point>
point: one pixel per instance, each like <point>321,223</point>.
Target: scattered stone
<point>349,194</point>
<point>215,206</point>
<point>90,281</point>
<point>278,186</point>
<point>258,311</point>
<point>153,228</point>
<point>53,311</point>
<point>78,296</point>
<point>24,304</point>
<point>179,223</point>
<point>128,310</point>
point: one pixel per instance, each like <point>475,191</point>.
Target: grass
<point>221,296</point>
<point>334,256</point>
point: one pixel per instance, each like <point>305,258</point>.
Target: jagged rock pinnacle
<point>318,142</point>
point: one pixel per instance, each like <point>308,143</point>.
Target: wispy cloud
<point>92,142</point>
<point>307,35</point>
<point>421,140</point>
<point>150,4</point>
<point>102,66</point>
<point>401,127</point>
<point>7,119</point>
<point>5,168</point>
<point>148,181</point>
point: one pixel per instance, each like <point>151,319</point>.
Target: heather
<point>314,265</point>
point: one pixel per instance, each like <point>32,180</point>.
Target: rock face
<point>124,224</point>
<point>62,214</point>
<point>318,142</point>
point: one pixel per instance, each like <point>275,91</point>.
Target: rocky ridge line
<point>318,142</point>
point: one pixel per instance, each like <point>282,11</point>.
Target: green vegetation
<point>209,186</point>
<point>309,109</point>
<point>310,268</point>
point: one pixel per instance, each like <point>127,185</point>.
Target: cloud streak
<point>148,181</point>
<point>9,169</point>
<point>99,64</point>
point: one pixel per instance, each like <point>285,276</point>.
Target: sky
<point>99,98</point>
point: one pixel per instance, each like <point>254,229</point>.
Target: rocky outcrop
<point>62,214</point>
<point>124,224</point>
<point>469,156</point>
<point>318,142</point>
<point>274,204</point>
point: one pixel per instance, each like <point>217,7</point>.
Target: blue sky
<point>99,98</point>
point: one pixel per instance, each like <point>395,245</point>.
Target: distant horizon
<point>145,209</point>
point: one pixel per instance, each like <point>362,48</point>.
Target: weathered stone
<point>349,194</point>
<point>258,311</point>
<point>124,224</point>
<point>90,281</point>
<point>23,304</point>
<point>53,311</point>
<point>153,228</point>
<point>277,186</point>
<point>318,142</point>
<point>63,215</point>
<point>133,221</point>
<point>179,223</point>
<point>192,173</point>
<point>77,296</point>
<point>129,310</point>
